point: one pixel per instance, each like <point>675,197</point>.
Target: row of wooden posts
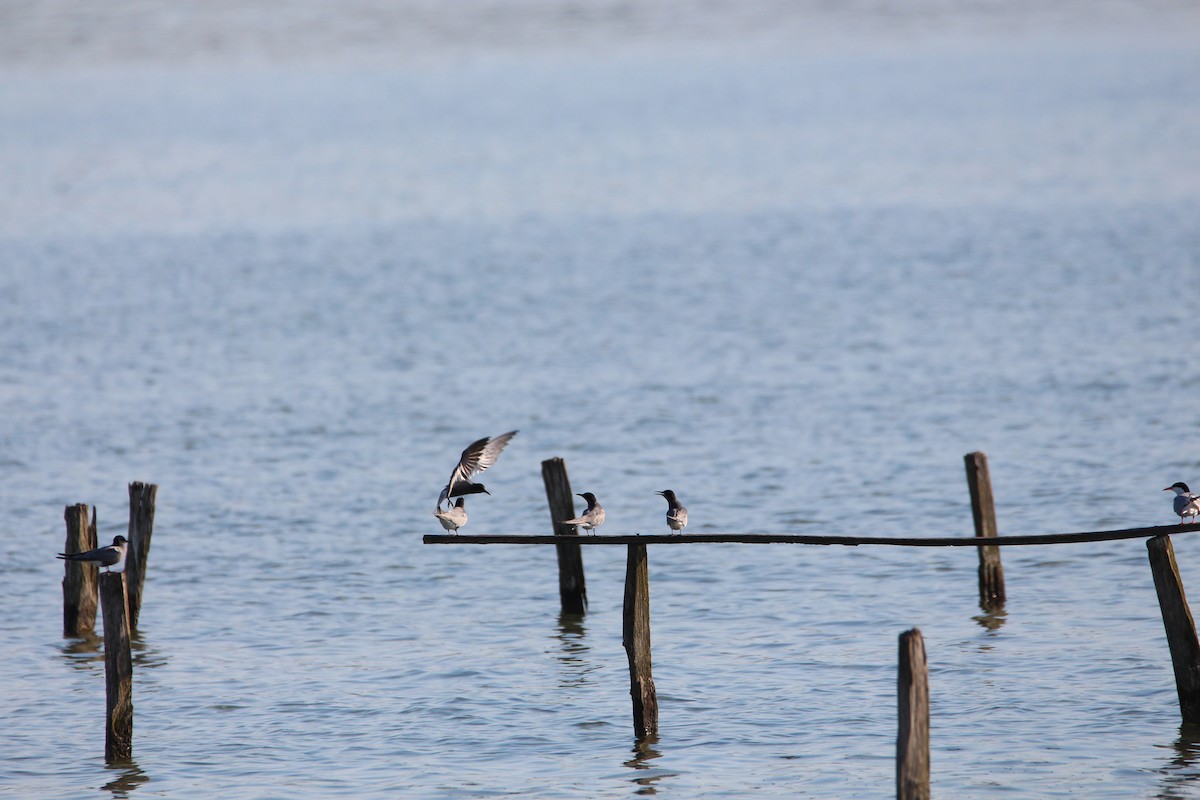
<point>120,600</point>
<point>572,585</point>
<point>912,745</point>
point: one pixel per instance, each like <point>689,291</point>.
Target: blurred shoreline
<point>62,34</point>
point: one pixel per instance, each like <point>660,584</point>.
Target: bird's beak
<point>485,491</point>
<point>1167,489</point>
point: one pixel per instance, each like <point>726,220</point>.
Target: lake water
<point>792,261</point>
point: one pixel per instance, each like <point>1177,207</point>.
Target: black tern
<point>676,513</point>
<point>476,458</point>
<point>112,557</point>
<point>592,518</point>
<point>1187,504</point>
<point>453,518</point>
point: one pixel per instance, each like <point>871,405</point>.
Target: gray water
<point>790,261</point>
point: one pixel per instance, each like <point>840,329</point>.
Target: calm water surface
<point>793,272</point>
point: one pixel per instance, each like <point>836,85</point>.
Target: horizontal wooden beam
<point>848,541</point>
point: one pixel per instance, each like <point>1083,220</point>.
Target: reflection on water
<point>145,655</point>
<point>992,621</point>
<point>130,776</point>
<point>573,650</point>
<point>83,651</point>
<point>1182,772</point>
<point>648,776</point>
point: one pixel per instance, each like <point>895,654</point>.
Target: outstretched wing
<point>482,454</point>
<point>478,456</point>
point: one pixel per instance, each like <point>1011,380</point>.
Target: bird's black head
<point>460,502</point>
<point>119,540</point>
<point>1180,485</point>
<point>463,487</point>
<point>591,498</point>
<point>669,494</point>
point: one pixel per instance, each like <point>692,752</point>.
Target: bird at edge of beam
<point>1186,503</point>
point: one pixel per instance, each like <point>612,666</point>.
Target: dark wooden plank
<point>912,739</point>
<point>79,579</point>
<point>141,525</point>
<point>1179,625</point>
<point>118,668</point>
<point>983,510</point>
<point>849,541</point>
<point>635,636</point>
<point>572,586</point>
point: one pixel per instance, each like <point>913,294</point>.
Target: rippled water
<point>793,280</point>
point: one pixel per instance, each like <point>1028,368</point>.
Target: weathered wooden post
<point>572,588</point>
<point>118,668</point>
<point>983,510</point>
<point>79,578</point>
<point>141,526</point>
<point>912,741</point>
<point>635,636</point>
<point>1181,629</point>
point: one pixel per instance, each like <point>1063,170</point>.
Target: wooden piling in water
<point>79,577</point>
<point>635,636</point>
<point>118,668</point>
<point>1179,625</point>
<point>912,740</point>
<point>983,511</point>
<point>141,525</point>
<point>572,587</point>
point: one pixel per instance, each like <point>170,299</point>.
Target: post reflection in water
<point>83,652</point>
<point>87,652</point>
<point>1181,775</point>
<point>145,655</point>
<point>648,776</point>
<point>129,777</point>
<point>993,621</point>
<point>573,650</point>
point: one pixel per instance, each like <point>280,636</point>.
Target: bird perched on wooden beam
<point>1186,504</point>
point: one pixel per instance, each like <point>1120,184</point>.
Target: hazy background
<point>792,260</point>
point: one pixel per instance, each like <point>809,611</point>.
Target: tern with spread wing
<point>476,458</point>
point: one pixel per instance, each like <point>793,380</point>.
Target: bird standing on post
<point>476,458</point>
<point>676,513</point>
<point>592,518</point>
<point>1187,504</point>
<point>454,517</point>
<point>111,557</point>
